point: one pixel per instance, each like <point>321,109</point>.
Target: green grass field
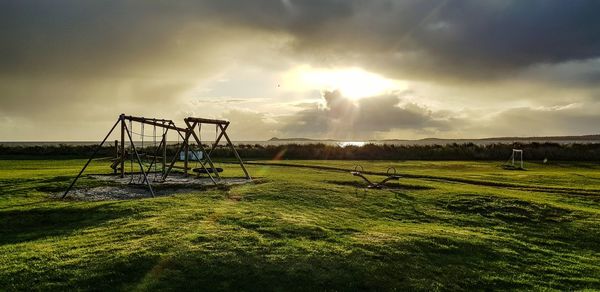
<point>307,225</point>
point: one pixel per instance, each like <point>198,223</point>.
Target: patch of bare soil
<point>118,188</point>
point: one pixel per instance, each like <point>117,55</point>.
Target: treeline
<point>465,151</point>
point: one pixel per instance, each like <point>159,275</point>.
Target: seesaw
<point>391,175</point>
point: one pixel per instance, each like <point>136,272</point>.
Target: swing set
<point>205,162</point>
<point>148,163</point>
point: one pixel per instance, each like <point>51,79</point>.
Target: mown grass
<point>304,228</point>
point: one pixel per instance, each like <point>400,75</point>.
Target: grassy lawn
<point>307,225</point>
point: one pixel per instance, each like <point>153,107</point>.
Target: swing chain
<point>130,152</point>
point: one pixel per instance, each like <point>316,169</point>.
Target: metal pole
<point>521,158</point>
<point>89,160</point>
<point>513,157</point>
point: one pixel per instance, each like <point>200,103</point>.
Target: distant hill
<point>299,139</point>
<point>499,139</point>
<point>506,139</point>
<point>550,138</point>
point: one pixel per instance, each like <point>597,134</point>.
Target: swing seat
<point>206,170</point>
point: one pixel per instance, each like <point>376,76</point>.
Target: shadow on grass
<point>16,186</point>
<point>264,253</point>
<point>509,210</point>
<point>418,264</point>
<point>538,224</point>
<point>107,273</point>
<point>273,228</point>
<point>57,184</point>
<point>290,257</point>
<point>48,185</point>
<point>26,225</point>
<point>309,258</point>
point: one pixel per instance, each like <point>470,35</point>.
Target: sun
<point>353,83</point>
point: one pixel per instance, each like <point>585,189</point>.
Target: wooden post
<point>185,161</point>
<point>122,117</point>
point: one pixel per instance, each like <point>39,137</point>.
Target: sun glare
<point>353,83</point>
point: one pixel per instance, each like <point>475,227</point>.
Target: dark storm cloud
<point>98,38</point>
<point>74,58</point>
<point>505,35</point>
<point>344,118</point>
<point>572,73</point>
<point>468,37</point>
<point>472,38</point>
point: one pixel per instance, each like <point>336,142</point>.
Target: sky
<point>337,69</point>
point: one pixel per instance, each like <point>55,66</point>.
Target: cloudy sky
<point>290,68</point>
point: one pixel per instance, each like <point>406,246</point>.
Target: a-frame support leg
<point>90,160</point>
<point>203,151</point>
<point>183,143</point>
<point>237,155</point>
<point>202,164</point>
<point>218,139</point>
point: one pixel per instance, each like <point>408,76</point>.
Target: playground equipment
<point>132,154</point>
<point>206,165</point>
<point>391,175</point>
<point>148,162</point>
